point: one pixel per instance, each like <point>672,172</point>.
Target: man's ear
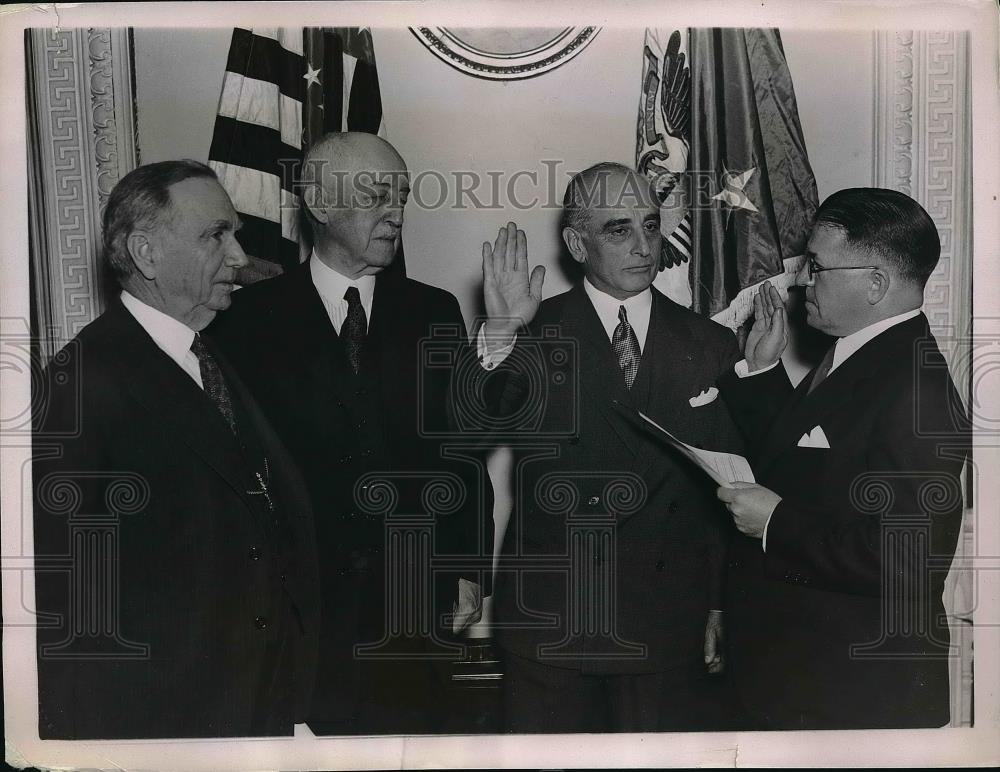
<point>879,285</point>
<point>313,201</point>
<point>575,245</point>
<point>143,252</point>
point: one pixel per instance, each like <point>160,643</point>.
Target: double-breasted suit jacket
<point>172,600</point>
<point>840,623</point>
<point>614,551</point>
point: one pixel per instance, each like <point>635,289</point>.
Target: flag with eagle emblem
<point>719,132</point>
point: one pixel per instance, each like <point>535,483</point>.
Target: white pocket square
<point>706,397</point>
<point>816,438</point>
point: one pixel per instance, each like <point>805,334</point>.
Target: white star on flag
<point>312,76</point>
<point>732,189</point>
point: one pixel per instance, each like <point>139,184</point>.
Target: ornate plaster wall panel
<point>923,148</point>
<point>82,123</point>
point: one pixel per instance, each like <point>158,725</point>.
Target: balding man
<point>177,587</point>
<point>609,591</point>
<point>333,351</point>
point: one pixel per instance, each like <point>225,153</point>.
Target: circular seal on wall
<point>505,54</point>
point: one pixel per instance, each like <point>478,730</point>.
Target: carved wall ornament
<point>505,54</point>
<point>81,116</point>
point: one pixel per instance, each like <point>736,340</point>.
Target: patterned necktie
<point>213,381</point>
<point>823,370</point>
<point>626,347</point>
<point>354,328</point>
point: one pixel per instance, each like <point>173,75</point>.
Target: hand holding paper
<point>724,468</point>
<point>751,506</point>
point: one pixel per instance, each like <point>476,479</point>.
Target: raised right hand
<point>511,296</point>
<point>769,334</point>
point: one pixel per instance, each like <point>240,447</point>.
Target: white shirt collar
<point>849,344</point>
<point>332,285</point>
<point>637,309</point>
<point>172,336</point>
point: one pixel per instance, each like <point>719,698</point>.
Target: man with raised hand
<point>609,592</point>
<point>836,616</point>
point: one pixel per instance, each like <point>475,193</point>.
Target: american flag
<point>283,89</point>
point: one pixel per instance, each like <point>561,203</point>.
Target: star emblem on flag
<point>312,76</point>
<point>733,193</point>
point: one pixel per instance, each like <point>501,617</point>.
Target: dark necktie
<point>354,328</point>
<point>823,370</point>
<point>213,382</point>
<point>626,347</point>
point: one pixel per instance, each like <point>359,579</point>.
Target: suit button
<point>660,565</point>
<point>254,553</point>
<point>284,578</point>
<point>593,501</point>
<point>260,623</point>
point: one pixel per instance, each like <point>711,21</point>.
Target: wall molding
<point>81,113</point>
<point>922,147</point>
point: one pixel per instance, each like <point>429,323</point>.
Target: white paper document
<point>724,468</point>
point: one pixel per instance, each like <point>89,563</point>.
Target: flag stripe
<point>365,112</point>
<point>289,38</point>
<point>349,63</point>
<point>264,58</point>
<point>252,191</point>
<point>357,42</point>
<point>261,103</point>
<point>256,147</point>
<point>260,238</point>
<point>289,213</point>
<point>333,83</point>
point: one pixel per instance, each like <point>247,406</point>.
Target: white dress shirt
<point>843,348</point>
<point>637,310</point>
<point>174,338</point>
<point>331,287</point>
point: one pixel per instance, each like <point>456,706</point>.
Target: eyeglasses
<point>812,267</point>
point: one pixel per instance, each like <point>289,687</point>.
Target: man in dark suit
<point>609,589</point>
<point>176,584</point>
<point>836,614</point>
<point>335,352</point>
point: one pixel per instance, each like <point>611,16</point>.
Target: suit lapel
<point>670,358</point>
<point>805,411</point>
<point>315,340</point>
<point>160,386</point>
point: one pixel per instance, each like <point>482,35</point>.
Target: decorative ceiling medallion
<point>505,54</point>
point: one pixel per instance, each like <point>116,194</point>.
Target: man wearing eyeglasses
<point>836,582</point>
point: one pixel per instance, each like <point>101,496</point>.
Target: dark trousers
<point>543,698</point>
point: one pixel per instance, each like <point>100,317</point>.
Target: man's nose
<point>235,256</point>
<point>642,246</point>
<point>394,214</point>
<point>803,277</point>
